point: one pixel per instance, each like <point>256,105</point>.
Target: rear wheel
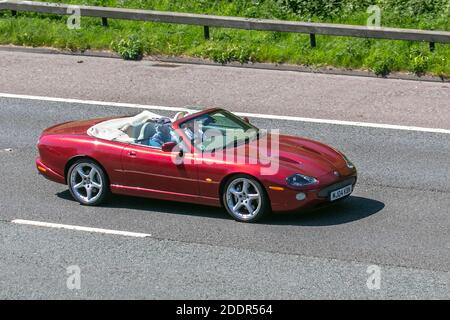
<point>87,182</point>
<point>244,199</point>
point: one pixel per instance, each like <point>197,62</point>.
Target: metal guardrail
<point>207,21</point>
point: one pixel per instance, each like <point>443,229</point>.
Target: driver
<point>163,133</point>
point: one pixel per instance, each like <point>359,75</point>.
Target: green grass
<point>132,39</point>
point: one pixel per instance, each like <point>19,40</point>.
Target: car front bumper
<point>290,199</point>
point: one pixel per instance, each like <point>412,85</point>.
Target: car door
<point>155,172</point>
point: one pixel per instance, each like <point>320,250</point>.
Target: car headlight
<point>350,164</point>
<point>300,180</point>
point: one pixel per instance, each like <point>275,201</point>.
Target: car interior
<point>146,128</point>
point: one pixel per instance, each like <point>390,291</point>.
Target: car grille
<point>326,191</point>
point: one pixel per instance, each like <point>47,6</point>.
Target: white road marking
<point>79,228</point>
<point>242,114</point>
<point>92,102</point>
<point>344,123</point>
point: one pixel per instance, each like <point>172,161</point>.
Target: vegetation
<point>134,39</point>
<point>130,48</point>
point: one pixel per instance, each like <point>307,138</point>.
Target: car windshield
<point>218,130</point>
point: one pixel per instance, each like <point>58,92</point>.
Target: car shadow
<point>352,209</point>
<point>156,205</point>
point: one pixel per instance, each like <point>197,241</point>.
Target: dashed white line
<point>79,228</point>
<point>242,114</point>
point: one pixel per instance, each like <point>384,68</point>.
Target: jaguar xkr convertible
<point>209,157</point>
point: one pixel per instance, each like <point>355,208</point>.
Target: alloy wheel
<point>86,182</point>
<point>243,198</point>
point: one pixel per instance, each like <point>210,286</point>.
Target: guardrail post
<point>432,46</point>
<point>206,32</point>
<point>104,21</point>
<point>13,13</point>
<point>312,39</point>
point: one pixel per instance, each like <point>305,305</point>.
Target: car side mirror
<point>246,119</point>
<point>168,146</point>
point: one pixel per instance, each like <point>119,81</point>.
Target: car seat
<point>147,132</point>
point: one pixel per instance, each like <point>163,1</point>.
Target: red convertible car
<point>210,157</point>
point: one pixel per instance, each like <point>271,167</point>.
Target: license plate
<point>340,193</point>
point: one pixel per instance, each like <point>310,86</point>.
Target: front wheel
<point>87,182</point>
<point>244,199</point>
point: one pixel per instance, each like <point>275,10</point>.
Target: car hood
<point>74,127</point>
<point>299,154</point>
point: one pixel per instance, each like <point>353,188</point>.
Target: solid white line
<point>78,228</point>
<point>242,114</point>
<point>92,102</point>
<point>344,123</point>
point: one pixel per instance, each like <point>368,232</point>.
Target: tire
<point>88,182</point>
<point>245,199</point>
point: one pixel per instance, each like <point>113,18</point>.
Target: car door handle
<point>132,154</point>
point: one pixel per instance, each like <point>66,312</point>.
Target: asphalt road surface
<point>398,219</point>
<point>322,96</point>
